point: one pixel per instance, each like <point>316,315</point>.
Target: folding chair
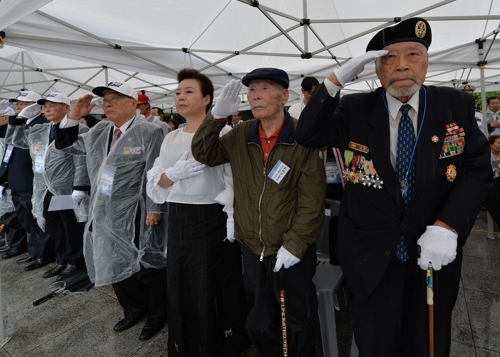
<point>328,279</point>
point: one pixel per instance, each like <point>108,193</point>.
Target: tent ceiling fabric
<point>147,44</point>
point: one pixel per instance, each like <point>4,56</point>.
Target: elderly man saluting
<point>123,244</point>
<point>413,156</point>
<point>279,193</point>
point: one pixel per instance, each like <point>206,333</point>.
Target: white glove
<point>438,246</point>
<point>30,111</point>
<point>284,257</point>
<point>228,101</point>
<point>230,227</point>
<point>355,66</point>
<point>1,192</point>
<point>78,195</point>
<point>184,168</point>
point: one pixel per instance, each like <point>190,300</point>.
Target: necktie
<point>406,142</point>
<point>116,136</point>
<point>52,134</point>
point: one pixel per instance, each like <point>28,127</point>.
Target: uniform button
<point>388,252</point>
<point>403,225</point>
<point>269,141</point>
<point>322,100</point>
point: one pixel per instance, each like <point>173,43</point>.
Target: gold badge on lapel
<point>435,139</point>
<point>364,149</point>
<point>451,172</point>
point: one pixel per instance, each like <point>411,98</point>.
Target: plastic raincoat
<point>118,201</point>
<point>6,204</point>
<point>53,170</point>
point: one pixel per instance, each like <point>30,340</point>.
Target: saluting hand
<point>349,70</point>
<point>82,107</point>
<point>228,101</point>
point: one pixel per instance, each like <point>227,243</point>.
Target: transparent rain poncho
<point>6,204</point>
<point>118,182</point>
<point>54,170</point>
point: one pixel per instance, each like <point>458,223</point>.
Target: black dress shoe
<point>70,269</point>
<point>5,249</point>
<point>54,271</point>
<point>13,253</point>
<point>38,263</point>
<point>149,331</point>
<point>27,259</point>
<point>126,323</point>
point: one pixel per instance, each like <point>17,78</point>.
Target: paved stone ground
<point>81,325</point>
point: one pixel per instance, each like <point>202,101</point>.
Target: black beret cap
<point>273,74</point>
<point>415,30</point>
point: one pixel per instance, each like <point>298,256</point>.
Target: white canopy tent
<point>82,44</point>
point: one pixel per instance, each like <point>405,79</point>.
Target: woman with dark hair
<point>308,87</point>
<point>174,124</point>
<point>205,291</point>
<point>88,120</point>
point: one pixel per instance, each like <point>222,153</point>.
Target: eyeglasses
<point>111,100</point>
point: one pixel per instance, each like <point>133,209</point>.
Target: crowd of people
<point>201,226</point>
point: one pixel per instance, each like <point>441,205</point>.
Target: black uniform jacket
<point>372,220</point>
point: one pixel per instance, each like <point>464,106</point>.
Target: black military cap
<point>273,74</point>
<point>415,29</point>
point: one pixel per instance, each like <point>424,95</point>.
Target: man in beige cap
<point>125,237</point>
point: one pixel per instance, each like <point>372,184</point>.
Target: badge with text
<point>332,172</point>
<point>38,164</point>
<point>8,152</point>
<point>106,183</point>
<point>278,172</point>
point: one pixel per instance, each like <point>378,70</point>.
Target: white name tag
<point>39,164</point>
<point>8,152</point>
<point>332,172</point>
<point>278,172</point>
<point>106,184</point>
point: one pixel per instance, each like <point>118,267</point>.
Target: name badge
<point>106,183</point>
<point>8,152</point>
<point>332,172</point>
<point>39,164</point>
<point>278,172</point>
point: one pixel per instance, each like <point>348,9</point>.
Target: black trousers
<point>12,230</point>
<point>264,320</point>
<point>38,242</point>
<point>206,305</point>
<point>144,292</point>
<point>393,321</point>
<point>66,232</point>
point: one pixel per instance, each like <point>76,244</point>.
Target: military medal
<point>451,172</point>
<point>435,139</point>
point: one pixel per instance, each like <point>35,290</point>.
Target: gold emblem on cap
<point>435,139</point>
<point>420,29</point>
<point>451,172</point>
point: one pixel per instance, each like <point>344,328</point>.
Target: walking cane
<point>281,287</point>
<point>430,303</point>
